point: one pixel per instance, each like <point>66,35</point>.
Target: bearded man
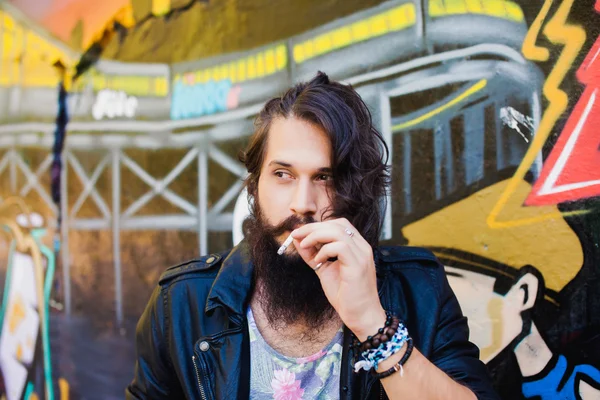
<point>329,314</point>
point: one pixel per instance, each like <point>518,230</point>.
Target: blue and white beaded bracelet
<point>372,357</point>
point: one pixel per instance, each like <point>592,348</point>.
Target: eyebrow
<point>288,165</point>
<point>456,274</point>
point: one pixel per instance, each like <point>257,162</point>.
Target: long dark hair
<point>359,152</point>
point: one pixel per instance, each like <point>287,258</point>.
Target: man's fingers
<point>307,254</point>
<point>360,241</point>
<point>335,224</point>
<point>316,234</point>
<point>327,234</point>
<point>303,231</point>
<point>340,250</point>
<point>307,229</point>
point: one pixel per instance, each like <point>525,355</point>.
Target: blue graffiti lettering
<point>189,101</point>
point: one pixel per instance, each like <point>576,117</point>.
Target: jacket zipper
<point>202,392</point>
<point>380,390</point>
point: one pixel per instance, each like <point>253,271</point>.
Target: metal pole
<point>13,171</point>
<point>385,119</point>
<point>116,230</point>
<point>64,232</point>
<point>203,200</point>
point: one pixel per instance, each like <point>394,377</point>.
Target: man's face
<point>293,189</point>
<point>494,320</point>
<point>295,178</point>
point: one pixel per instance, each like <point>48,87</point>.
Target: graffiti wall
<point>490,108</point>
<point>29,78</point>
<point>74,22</point>
<point>498,178</point>
<point>25,349</point>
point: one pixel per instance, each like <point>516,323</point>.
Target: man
<point>250,323</point>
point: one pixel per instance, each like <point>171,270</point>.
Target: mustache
<point>289,224</point>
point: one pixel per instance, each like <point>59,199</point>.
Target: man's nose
<point>304,200</point>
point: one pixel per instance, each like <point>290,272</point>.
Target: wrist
<point>369,324</point>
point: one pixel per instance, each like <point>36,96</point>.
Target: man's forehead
<point>297,143</point>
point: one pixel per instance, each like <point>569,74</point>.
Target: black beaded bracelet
<point>383,334</point>
<point>397,367</point>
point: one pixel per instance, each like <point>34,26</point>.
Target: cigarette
<point>285,245</point>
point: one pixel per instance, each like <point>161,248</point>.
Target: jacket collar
<point>232,285</point>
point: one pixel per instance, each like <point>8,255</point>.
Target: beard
<point>289,291</point>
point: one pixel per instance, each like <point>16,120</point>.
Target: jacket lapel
<point>225,361</point>
<point>232,285</point>
<point>226,354</point>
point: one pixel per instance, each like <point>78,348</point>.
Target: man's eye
<point>280,174</point>
<point>324,177</point>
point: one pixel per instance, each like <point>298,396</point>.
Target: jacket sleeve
<point>453,353</point>
<point>153,377</point>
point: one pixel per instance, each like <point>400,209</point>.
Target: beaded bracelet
<point>397,367</point>
<point>382,336</point>
<point>372,357</point>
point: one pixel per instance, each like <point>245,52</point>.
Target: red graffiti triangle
<point>572,170</point>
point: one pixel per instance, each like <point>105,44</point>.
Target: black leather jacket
<point>193,343</point>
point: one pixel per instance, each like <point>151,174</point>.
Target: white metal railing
<point>197,217</point>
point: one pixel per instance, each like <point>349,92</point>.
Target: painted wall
<point>500,182</point>
<point>28,80</point>
<point>492,111</point>
<point>60,17</point>
<point>25,347</point>
<point>495,168</point>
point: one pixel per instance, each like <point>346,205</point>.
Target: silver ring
<point>349,232</point>
<point>319,265</point>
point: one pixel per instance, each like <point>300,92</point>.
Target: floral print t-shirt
<point>275,376</point>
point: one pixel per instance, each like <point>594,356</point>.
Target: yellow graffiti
<point>529,49</point>
<point>148,86</point>
<point>19,352</point>
<point>63,386</point>
<point>572,37</point>
<point>393,20</point>
<point>161,7</point>
<point>254,66</point>
<point>26,60</point>
<point>26,57</point>
<point>466,94</point>
<point>495,313</point>
<point>16,315</point>
<point>493,8</point>
<point>462,226</point>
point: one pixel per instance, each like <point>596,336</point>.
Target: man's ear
<point>527,287</point>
